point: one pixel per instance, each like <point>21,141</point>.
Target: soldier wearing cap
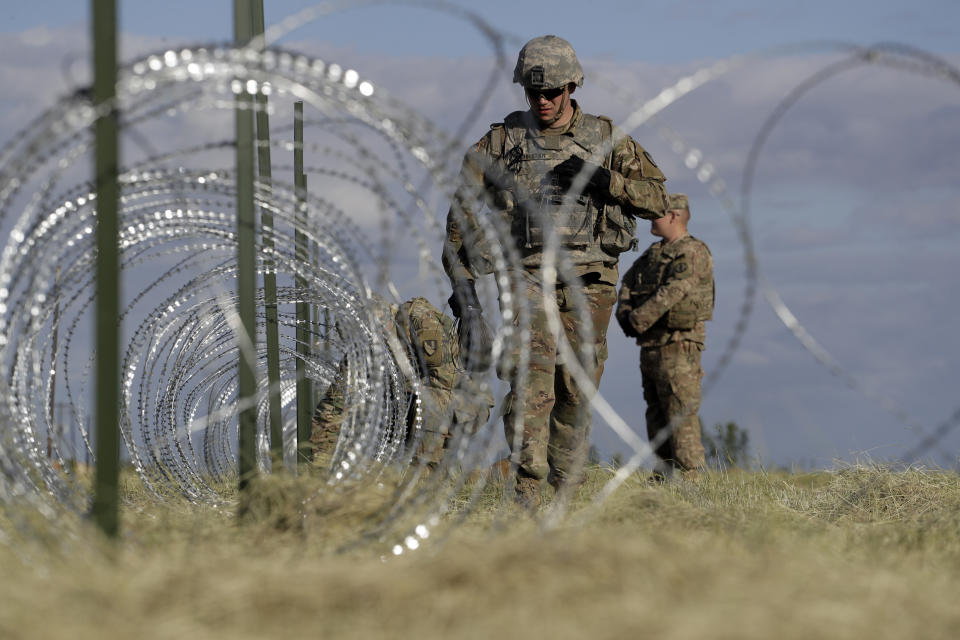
<point>423,343</point>
<point>551,173</point>
<point>664,301</point>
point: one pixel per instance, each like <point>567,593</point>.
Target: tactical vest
<point>657,263</point>
<point>594,230</point>
<point>432,340</point>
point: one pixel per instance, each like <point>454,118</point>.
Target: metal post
<point>246,266</point>
<point>327,317</point>
<point>52,403</point>
<point>269,266</point>
<point>305,399</point>
<point>316,311</point>
<point>106,494</point>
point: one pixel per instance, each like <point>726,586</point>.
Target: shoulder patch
<point>680,269</point>
<point>646,154</point>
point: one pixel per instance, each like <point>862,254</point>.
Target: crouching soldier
<point>447,403</point>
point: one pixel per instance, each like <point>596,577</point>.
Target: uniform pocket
<point>619,235</point>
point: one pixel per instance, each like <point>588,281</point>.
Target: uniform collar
<point>685,234</point>
<point>668,246</point>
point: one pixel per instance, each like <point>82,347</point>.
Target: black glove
<point>624,320</point>
<point>476,341</point>
<point>464,298</point>
<point>598,178</point>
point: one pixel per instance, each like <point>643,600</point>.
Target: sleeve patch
<point>646,154</point>
<point>680,269</point>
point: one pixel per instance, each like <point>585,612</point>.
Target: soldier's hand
<point>628,330</point>
<point>598,178</point>
<point>476,341</point>
<point>464,298</point>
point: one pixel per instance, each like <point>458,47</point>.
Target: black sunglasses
<point>548,94</point>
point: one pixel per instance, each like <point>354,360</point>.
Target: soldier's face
<point>661,227</point>
<point>547,105</point>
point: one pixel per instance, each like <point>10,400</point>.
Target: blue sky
<point>856,210</point>
<point>659,31</point>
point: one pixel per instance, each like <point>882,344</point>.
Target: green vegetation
<point>728,445</point>
<point>855,553</point>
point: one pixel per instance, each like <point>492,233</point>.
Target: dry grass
<point>862,552</point>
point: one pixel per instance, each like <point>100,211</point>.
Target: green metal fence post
<point>315,309</point>
<point>106,494</point>
<point>246,266</point>
<point>305,399</point>
<point>269,265</point>
<point>54,340</point>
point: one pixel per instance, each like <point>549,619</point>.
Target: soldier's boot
<point>690,459</point>
<point>500,469</point>
<point>527,492</point>
<point>691,475</point>
<point>565,487</point>
<point>662,472</point>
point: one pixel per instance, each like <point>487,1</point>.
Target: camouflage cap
<point>678,201</point>
<point>547,62</point>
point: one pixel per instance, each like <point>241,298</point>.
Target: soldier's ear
<point>571,87</point>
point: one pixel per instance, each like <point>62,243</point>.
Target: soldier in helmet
<point>549,173</point>
<point>666,297</point>
<point>423,343</point>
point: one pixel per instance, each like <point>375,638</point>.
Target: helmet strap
<point>564,105</point>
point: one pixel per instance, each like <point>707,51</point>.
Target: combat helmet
<point>547,62</point>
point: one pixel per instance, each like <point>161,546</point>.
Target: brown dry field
<point>856,553</point>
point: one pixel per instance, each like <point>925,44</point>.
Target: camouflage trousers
<point>427,442</point>
<point>444,415</point>
<point>548,414</point>
<point>327,419</point>
<point>671,388</point>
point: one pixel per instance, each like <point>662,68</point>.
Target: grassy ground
<point>855,553</point>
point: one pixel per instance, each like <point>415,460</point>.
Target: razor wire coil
<point>177,236</point>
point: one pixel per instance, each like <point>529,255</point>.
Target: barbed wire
<point>374,167</point>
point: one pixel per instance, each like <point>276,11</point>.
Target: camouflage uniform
<point>426,339</point>
<point>328,416</point>
<point>512,171</point>
<point>666,297</point>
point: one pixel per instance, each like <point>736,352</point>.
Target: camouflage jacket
<point>507,171</point>
<point>667,294</point>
